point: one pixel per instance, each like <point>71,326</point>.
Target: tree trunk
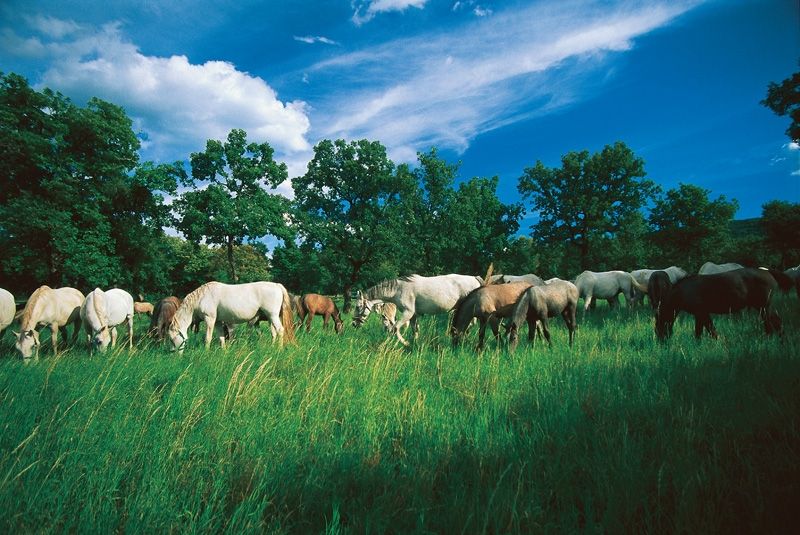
<point>348,287</point>
<point>231,263</point>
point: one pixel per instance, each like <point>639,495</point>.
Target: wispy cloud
<point>311,39</point>
<point>365,11</point>
<point>445,88</point>
<point>177,104</point>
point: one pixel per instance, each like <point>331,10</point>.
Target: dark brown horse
<point>324,306</point>
<point>720,293</point>
<point>658,286</point>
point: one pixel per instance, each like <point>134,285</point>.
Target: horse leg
<point>130,332</point>
<point>699,322</point>
<point>710,327</point>
<point>481,333</point>
<point>415,326</point>
<point>405,317</point>
<point>569,320</point>
<point>113,337</point>
<point>494,323</point>
<point>54,337</point>
<point>325,320</point>
<point>210,331</point>
<point>309,318</point>
<point>546,330</point>
<point>587,302</point>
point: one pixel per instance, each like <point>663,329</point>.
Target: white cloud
<point>480,11</point>
<point>311,39</point>
<point>445,88</point>
<point>177,104</point>
<point>366,11</point>
<point>53,27</point>
<point>792,145</point>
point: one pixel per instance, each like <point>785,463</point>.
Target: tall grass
<point>353,433</point>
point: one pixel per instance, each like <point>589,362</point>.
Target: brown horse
<point>163,312</point>
<point>538,303</point>
<point>319,304</point>
<point>140,307</point>
<point>487,303</point>
<point>720,293</point>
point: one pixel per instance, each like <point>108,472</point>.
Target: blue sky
<point>496,85</point>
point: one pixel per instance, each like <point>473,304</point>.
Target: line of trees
<point>78,208</point>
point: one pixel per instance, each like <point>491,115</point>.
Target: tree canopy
<point>784,99</point>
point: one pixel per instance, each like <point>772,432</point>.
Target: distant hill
<point>747,228</point>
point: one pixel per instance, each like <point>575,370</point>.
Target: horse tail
<point>636,284</point>
<point>287,317</point>
<point>785,282</point>
<point>488,279</point>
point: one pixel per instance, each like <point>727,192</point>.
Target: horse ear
<point>15,333</point>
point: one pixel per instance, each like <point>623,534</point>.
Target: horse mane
<point>386,286</point>
<point>32,302</point>
<point>190,301</point>
<point>100,307</point>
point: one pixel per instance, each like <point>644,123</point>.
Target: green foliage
<point>589,199</point>
<point>348,210</point>
<point>784,99</point>
<point>781,223</point>
<point>72,210</point>
<point>620,434</point>
<point>690,229</point>
<point>234,206</point>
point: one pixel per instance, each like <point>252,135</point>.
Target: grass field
<point>355,434</point>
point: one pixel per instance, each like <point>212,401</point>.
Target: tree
<point>781,223</point>
<point>690,229</point>
<point>348,207</point>
<point>591,197</point>
<point>460,229</point>
<point>72,210</point>
<point>784,99</point>
<point>234,206</point>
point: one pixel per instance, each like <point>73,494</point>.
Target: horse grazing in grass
<point>642,276</point>
<point>8,309</point>
<point>230,304</point>
<point>659,285</point>
<point>606,285</point>
<point>101,312</point>
<point>48,307</point>
<point>319,304</point>
<point>710,268</point>
<point>414,296</point>
<point>720,293</point>
<point>487,303</point>
<point>537,304</point>
<point>140,307</point>
<point>163,312</point>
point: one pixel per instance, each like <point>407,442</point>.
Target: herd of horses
<point>716,289</point>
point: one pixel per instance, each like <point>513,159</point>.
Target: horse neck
<point>382,292</point>
<point>31,318</point>
<point>183,316</point>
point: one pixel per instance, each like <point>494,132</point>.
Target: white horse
<point>230,304</point>
<point>642,276</point>
<point>710,268</point>
<point>7,309</point>
<point>53,308</point>
<point>101,312</point>
<point>414,296</point>
<point>606,285</point>
<point>794,274</point>
<point>529,278</point>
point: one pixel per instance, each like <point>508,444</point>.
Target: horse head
<point>101,338</point>
<point>177,337</point>
<point>362,309</point>
<point>27,343</point>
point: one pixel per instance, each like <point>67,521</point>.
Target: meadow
<point>354,433</point>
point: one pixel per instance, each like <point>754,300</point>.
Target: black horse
<point>658,286</point>
<point>720,293</point>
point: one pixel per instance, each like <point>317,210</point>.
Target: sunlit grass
<point>356,433</point>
